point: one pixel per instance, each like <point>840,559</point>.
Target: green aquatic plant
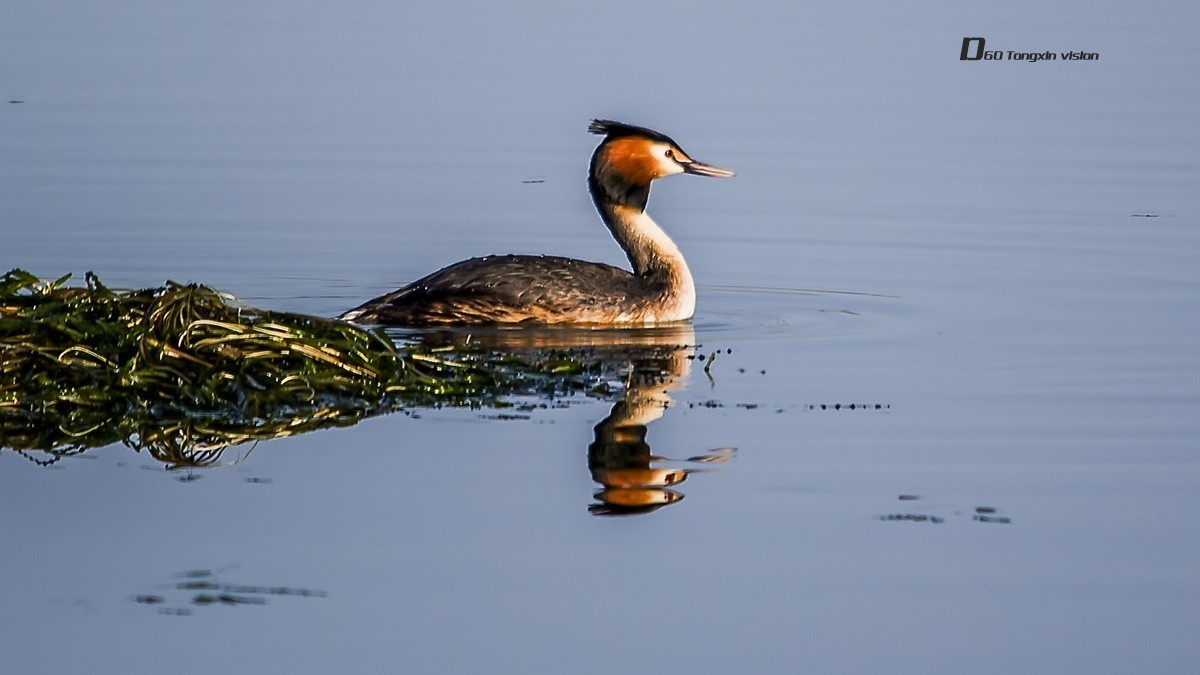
<point>185,371</point>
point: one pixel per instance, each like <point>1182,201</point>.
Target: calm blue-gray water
<point>998,259</point>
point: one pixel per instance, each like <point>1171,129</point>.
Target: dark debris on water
<point>203,588</point>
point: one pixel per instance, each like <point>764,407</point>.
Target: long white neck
<point>651,252</point>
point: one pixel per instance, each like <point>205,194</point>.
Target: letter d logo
<point>967,47</point>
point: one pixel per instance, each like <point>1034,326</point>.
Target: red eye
<point>670,154</point>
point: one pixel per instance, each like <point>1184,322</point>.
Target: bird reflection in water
<point>643,364</point>
<point>635,480</point>
<point>651,363</point>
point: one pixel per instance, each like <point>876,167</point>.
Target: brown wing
<point>505,289</point>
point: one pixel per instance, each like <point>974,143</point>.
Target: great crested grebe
<point>537,289</point>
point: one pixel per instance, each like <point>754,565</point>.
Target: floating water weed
<point>185,370</point>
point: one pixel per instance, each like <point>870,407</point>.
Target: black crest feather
<point>612,129</point>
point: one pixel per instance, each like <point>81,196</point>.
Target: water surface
<point>950,425</point>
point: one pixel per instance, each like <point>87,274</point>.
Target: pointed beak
<point>702,169</point>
